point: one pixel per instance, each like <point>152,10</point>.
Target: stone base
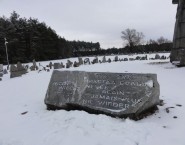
<point>177,57</point>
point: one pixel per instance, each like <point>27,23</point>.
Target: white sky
<point>98,20</point>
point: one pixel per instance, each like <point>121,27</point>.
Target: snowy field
<point>24,119</point>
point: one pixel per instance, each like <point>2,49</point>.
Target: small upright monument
<point>178,52</point>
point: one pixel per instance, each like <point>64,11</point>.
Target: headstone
<point>157,56</point>
<point>34,66</point>
<point>5,71</point>
<point>138,57</point>
<point>131,59</point>
<point>1,67</point>
<point>144,58</point>
<point>178,51</point>
<point>57,65</point>
<point>1,71</point>
<point>116,59</point>
<point>21,68</point>
<point>109,60</point>
<point>76,64</point>
<point>14,71</point>
<point>80,61</point>
<point>95,60</point>
<point>50,65</point>
<point>163,57</point>
<point>69,64</point>
<point>62,65</point>
<point>87,61</point>
<point>125,59</point>
<point>115,94</point>
<point>104,59</point>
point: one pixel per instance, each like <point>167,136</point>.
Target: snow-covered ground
<point>24,119</point>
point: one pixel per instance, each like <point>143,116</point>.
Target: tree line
<point>29,39</point>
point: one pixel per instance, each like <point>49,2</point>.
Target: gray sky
<point>98,20</point>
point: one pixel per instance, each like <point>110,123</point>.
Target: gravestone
<point>5,71</point>
<point>87,61</point>
<point>21,68</point>
<point>1,71</point>
<point>116,59</point>
<point>76,64</point>
<point>131,59</point>
<point>177,55</point>
<point>157,56</point>
<point>144,58</point>
<point>109,60</point>
<point>34,66</point>
<point>50,65</point>
<point>115,94</point>
<point>57,66</point>
<point>69,64</point>
<point>138,57</point>
<point>80,61</point>
<point>125,59</point>
<point>104,59</point>
<point>62,65</point>
<point>14,71</point>
<point>95,60</point>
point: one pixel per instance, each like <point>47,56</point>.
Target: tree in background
<point>132,38</point>
<point>30,39</point>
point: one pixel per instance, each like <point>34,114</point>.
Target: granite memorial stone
<point>14,71</point>
<point>80,61</point>
<point>87,61</point>
<point>69,64</point>
<point>5,71</point>
<point>95,60</point>
<point>1,71</point>
<point>115,94</point>
<point>178,51</point>
<point>116,59</point>
<point>76,64</point>
<point>57,66</point>
<point>34,66</point>
<point>157,56</point>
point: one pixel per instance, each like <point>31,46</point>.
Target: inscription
<point>104,92</point>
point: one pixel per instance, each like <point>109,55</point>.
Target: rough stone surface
<point>116,59</point>
<point>1,71</point>
<point>57,66</point>
<point>76,64</point>
<point>5,71</point>
<point>178,52</point>
<point>1,67</point>
<point>34,66</point>
<point>87,61</point>
<point>80,61</point>
<point>114,94</point>
<point>69,64</point>
<point>95,60</point>
<point>17,71</point>
<point>104,59</point>
<point>14,71</point>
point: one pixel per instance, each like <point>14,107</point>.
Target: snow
<point>24,119</point>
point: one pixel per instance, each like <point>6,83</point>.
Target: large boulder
<point>115,94</point>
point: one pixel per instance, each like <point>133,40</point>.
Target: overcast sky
<point>98,20</point>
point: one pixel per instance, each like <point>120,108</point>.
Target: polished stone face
<point>115,94</point>
<point>178,51</point>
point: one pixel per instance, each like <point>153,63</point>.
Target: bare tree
<point>132,37</point>
<point>162,40</point>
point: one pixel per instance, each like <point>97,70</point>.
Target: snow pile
<point>25,121</point>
